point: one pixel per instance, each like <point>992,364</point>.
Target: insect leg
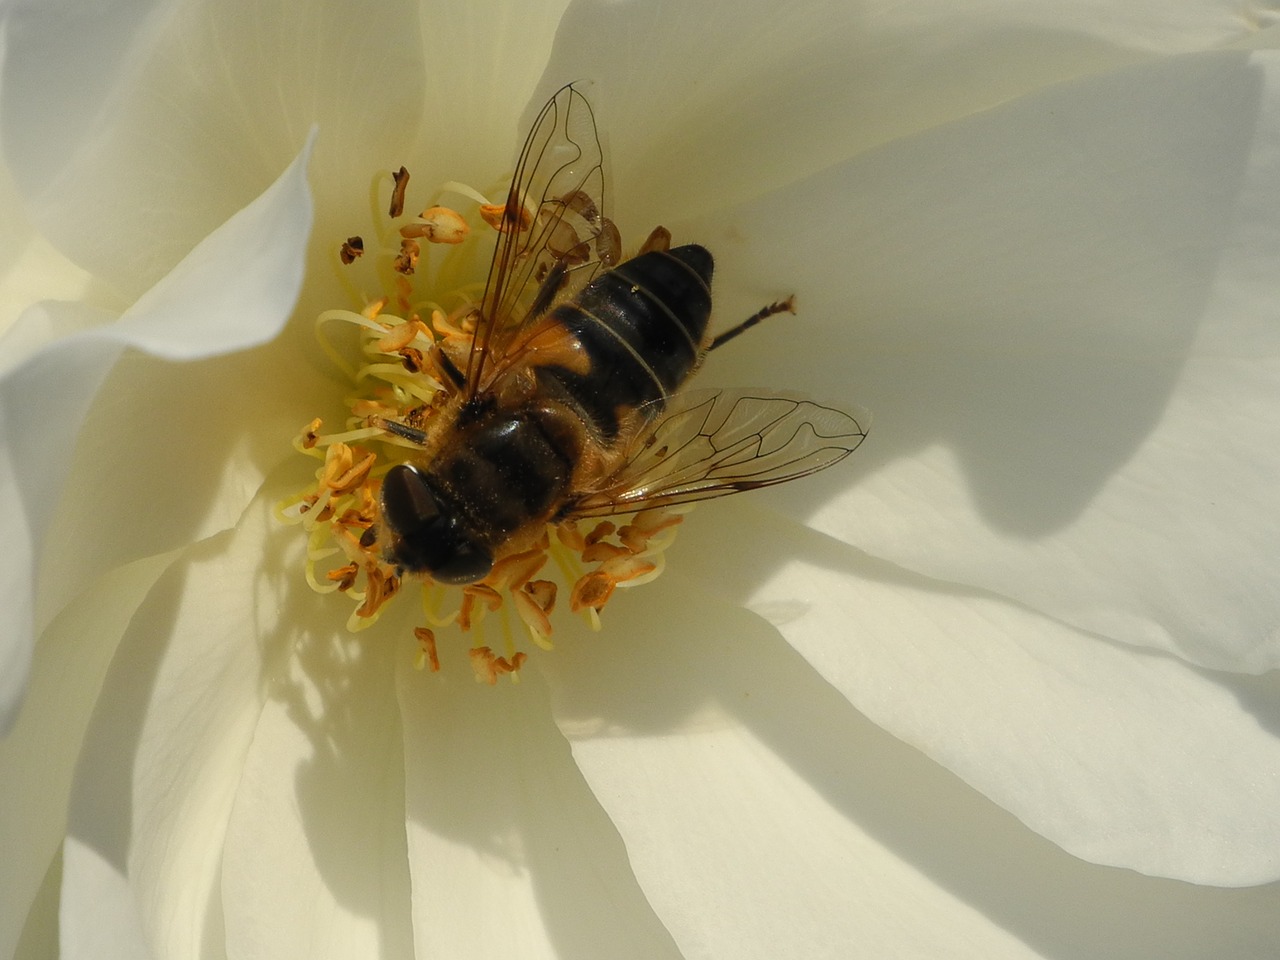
<point>549,289</point>
<point>447,368</point>
<point>402,430</point>
<point>782,306</point>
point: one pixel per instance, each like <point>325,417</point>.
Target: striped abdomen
<point>641,327</point>
<point>508,467</point>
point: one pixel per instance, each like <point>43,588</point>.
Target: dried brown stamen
<point>401,178</point>
<point>352,249</point>
<point>427,641</point>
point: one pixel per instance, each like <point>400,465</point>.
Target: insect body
<point>641,325</point>
<point>570,403</point>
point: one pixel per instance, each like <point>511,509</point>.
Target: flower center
<point>426,277</point>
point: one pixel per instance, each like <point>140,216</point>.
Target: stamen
<point>407,260</point>
<point>401,178</point>
<point>309,436</point>
<point>593,590</point>
<point>484,664</point>
<point>352,248</point>
<point>396,350</point>
<point>430,656</point>
<point>437,225</point>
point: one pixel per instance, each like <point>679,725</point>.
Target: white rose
<point>924,704</point>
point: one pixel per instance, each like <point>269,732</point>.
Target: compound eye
<point>407,502</point>
<point>428,537</point>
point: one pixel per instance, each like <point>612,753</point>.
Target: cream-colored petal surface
<point>193,109</point>
<point>166,747</point>
<point>30,268</point>
<point>511,855</point>
<point>1061,314</point>
<point>46,394</point>
<point>1121,756</point>
<point>195,106</point>
<point>183,469</point>
<point>315,864</point>
<point>713,103</point>
<point>484,58</point>
<point>765,816</point>
<point>233,291</point>
<point>38,756</point>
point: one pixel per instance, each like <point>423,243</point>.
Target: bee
<point>570,401</point>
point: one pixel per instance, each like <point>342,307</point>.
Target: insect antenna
<point>782,306</point>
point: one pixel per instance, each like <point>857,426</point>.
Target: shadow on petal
<point>1021,287</point>
<point>678,660</point>
<point>507,849</point>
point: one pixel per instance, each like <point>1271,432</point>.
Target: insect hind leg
<point>782,306</point>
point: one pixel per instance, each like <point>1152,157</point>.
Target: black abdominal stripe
<point>641,324</point>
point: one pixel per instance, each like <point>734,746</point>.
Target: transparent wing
<point>711,443</point>
<point>553,232</point>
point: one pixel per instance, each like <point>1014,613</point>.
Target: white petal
<point>1120,756</point>
<point>233,291</point>
<point>99,909</point>
<point>183,470</point>
<point>38,756</point>
<point>1061,315</point>
<point>135,122</point>
<point>39,937</point>
<point>30,268</point>
<point>511,855</point>
<point>150,124</point>
<point>315,863</point>
<point>765,817</point>
<point>517,40</point>
<point>747,107</point>
<point>167,742</point>
<point>41,404</point>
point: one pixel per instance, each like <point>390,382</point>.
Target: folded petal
<point>166,746</point>
<point>233,291</point>
<point>30,268</point>
<point>764,816</point>
<point>152,122</point>
<point>38,756</point>
<point>1121,756</point>
<point>1061,314</point>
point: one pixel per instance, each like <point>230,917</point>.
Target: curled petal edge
<point>235,290</point>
